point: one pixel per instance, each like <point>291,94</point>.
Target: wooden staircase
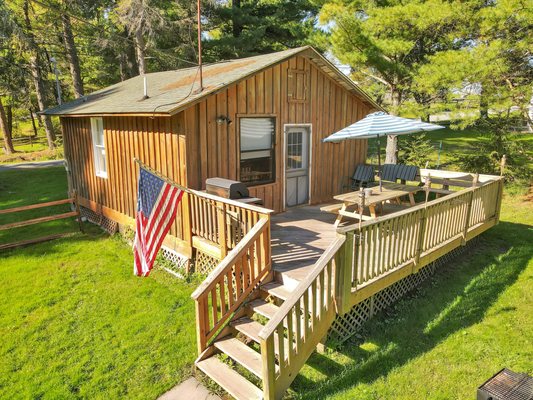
<point>263,342</point>
<point>240,342</point>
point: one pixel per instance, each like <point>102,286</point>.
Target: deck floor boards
<point>299,237</point>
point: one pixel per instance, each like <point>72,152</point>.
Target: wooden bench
<point>331,208</point>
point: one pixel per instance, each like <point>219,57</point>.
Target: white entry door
<point>297,165</point>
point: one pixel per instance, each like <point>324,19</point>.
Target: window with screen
<point>97,130</point>
<point>257,150</point>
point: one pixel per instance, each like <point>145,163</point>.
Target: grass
<point>456,143</point>
<point>24,187</point>
<point>75,322</point>
<point>87,328</point>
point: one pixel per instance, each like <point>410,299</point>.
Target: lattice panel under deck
<point>204,263</point>
<point>105,223</point>
<point>347,325</point>
<point>179,262</point>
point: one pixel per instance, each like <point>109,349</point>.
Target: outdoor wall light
<point>222,118</point>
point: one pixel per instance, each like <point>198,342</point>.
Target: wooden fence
<point>39,220</point>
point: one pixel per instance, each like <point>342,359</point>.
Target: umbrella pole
<point>379,165</point>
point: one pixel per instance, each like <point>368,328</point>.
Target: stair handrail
<point>233,280</point>
<point>229,259</point>
<point>302,287</point>
<point>306,317</point>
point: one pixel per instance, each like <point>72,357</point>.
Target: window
<point>257,150</point>
<point>97,130</point>
<point>297,86</point>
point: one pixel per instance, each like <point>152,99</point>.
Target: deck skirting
<point>347,325</point>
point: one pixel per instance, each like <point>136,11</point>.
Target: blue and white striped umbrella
<point>378,124</point>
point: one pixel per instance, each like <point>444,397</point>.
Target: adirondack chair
<point>362,177</point>
<point>388,172</point>
<point>393,172</point>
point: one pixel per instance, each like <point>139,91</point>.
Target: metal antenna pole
<point>200,45</point>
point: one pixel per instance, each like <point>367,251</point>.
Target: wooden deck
<point>299,236</point>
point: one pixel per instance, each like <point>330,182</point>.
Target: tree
<point>492,72</point>
<point>27,37</point>
<point>242,28</point>
<point>386,42</point>
<point>6,126</point>
<point>71,51</point>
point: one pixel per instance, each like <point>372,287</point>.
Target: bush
<point>415,150</point>
<point>486,156</point>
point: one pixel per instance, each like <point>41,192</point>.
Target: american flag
<point>156,210</point>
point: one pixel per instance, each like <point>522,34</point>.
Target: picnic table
<point>390,191</point>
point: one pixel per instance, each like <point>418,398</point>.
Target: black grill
<point>507,385</point>
<point>226,188</point>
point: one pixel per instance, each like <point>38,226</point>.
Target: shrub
<point>415,150</point>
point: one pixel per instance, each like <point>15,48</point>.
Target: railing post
<point>201,315</point>
<point>420,243</point>
<point>343,274</point>
<point>222,233</point>
<point>77,205</point>
<point>467,218</point>
<point>186,224</point>
<point>269,368</point>
<point>499,200</point>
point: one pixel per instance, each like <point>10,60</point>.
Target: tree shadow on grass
<point>457,297</point>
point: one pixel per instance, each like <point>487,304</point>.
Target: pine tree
<point>242,28</point>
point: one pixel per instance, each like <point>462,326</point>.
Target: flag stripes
<point>156,210</point>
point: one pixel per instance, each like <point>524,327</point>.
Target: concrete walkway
<point>191,389</point>
<point>29,165</point>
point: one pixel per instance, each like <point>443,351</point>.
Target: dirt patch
<point>208,71</point>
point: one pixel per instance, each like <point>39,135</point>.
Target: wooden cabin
<point>259,120</point>
<point>277,285</point>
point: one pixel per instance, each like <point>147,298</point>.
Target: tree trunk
<point>37,78</point>
<point>236,18</point>
<point>34,126</point>
<point>72,56</point>
<point>391,151</point>
<point>140,51</point>
<point>5,126</point>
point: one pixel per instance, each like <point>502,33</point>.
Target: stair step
<point>277,289</point>
<point>251,329</point>
<point>244,355</point>
<point>263,308</point>
<point>248,327</point>
<point>232,382</point>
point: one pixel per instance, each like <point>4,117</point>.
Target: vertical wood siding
<point>328,108</point>
<point>191,147</point>
<point>150,140</point>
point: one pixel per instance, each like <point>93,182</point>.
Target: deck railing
<point>364,259</point>
<point>230,283</point>
<point>223,222</point>
<point>411,239</point>
<point>298,326</point>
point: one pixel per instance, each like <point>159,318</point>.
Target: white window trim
<point>98,147</point>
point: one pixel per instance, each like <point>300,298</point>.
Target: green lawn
<point>74,321</point>
<point>455,143</point>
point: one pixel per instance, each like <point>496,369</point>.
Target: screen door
<point>297,165</point>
